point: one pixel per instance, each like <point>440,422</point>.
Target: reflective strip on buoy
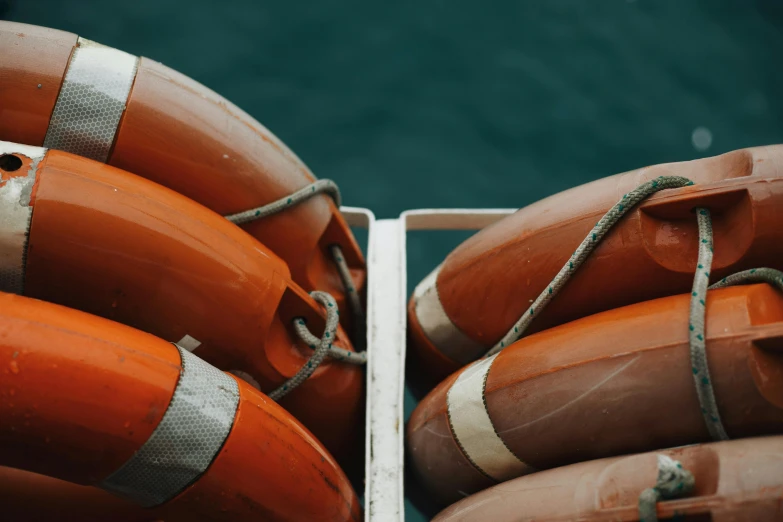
<point>193,429</point>
<point>473,429</point>
<point>16,214</point>
<point>91,100</point>
<point>437,325</point>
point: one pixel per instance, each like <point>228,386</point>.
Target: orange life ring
<point>67,93</point>
<point>734,481</point>
<point>97,403</point>
<point>613,383</point>
<point>30,497</point>
<point>487,283</point>
<point>89,236</point>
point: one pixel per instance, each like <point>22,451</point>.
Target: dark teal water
<point>467,104</point>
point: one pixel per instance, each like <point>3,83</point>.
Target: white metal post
<point>386,372</point>
<point>386,337</point>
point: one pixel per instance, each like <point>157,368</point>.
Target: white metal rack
<point>386,334</point>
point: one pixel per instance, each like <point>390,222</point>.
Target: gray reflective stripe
<point>91,100</point>
<point>444,334</point>
<point>15,216</point>
<point>187,440</point>
<point>473,429</point>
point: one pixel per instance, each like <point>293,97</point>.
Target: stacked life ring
<point>138,247</point>
<point>64,92</point>
<point>123,187</point>
<point>732,481</point>
<point>638,368</point>
<point>471,302</point>
<point>89,236</point>
<point>614,383</point>
<point>96,403</point>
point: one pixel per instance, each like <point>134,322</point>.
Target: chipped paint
<point>15,216</point>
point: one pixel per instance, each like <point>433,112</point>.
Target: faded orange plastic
<point>614,383</point>
<point>735,481</point>
<point>489,281</point>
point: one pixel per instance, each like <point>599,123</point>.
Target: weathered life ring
<point>89,236</point>
<point>734,480</point>
<point>67,93</point>
<point>97,403</point>
<point>486,284</point>
<point>612,383</point>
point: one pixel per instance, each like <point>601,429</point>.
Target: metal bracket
<point>386,334</point>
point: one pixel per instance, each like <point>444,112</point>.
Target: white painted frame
<point>386,333</point>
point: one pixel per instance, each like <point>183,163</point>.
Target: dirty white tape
<point>473,429</point>
<point>16,212</point>
<point>188,343</point>
<point>437,325</point>
<point>91,100</point>
<point>187,440</point>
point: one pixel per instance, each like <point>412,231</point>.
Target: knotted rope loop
<point>674,481</point>
<point>330,188</point>
<point>321,347</point>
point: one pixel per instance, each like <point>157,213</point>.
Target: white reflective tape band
<point>187,440</point>
<point>437,325</point>
<point>188,343</point>
<point>91,100</point>
<point>473,429</point>
<point>16,213</point>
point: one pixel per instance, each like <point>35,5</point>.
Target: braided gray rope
<point>329,187</point>
<point>354,301</point>
<point>698,354</point>
<point>754,275</point>
<point>601,228</point>
<point>696,335</point>
<point>334,352</point>
<point>322,186</point>
<point>322,348</point>
<point>673,481</point>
